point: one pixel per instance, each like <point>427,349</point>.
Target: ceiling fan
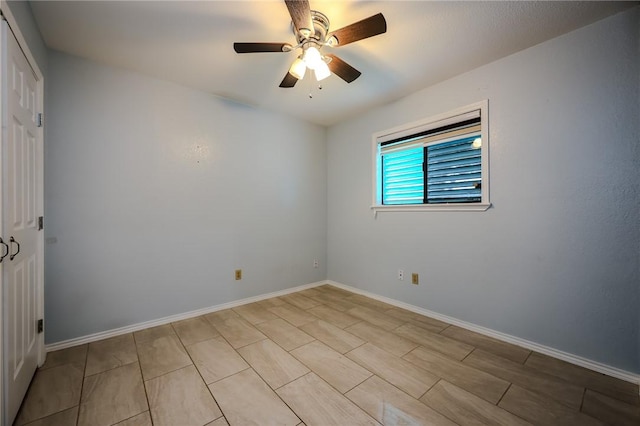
<point>311,29</point>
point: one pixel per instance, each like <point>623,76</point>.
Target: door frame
<point>15,29</point>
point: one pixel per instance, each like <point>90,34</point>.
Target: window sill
<point>453,207</point>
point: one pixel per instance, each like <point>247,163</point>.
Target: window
<point>437,164</point>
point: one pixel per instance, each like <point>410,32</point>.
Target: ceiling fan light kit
<point>311,29</point>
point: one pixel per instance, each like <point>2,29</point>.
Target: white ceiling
<point>191,43</point>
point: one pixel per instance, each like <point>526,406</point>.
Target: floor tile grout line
<point>146,396</point>
<point>443,415</point>
<point>549,377</point>
<point>412,397</point>
<point>545,396</point>
<point>84,370</point>
<point>364,342</point>
<point>263,379</point>
<point>343,355</point>
<point>635,405</point>
<point>430,387</point>
<point>111,368</point>
<point>353,387</point>
<point>406,360</point>
<point>598,419</point>
<point>168,372</point>
<point>582,383</point>
<point>503,394</point>
<point>285,402</point>
<point>297,347</point>
<point>144,385</point>
<point>328,384</point>
<point>272,389</point>
<point>59,411</point>
<point>234,348</point>
<point>507,409</point>
<point>198,341</point>
<point>135,415</point>
<point>466,365</point>
<point>584,394</point>
<point>440,332</point>
<point>193,363</point>
<point>144,379</point>
<point>469,354</point>
<point>435,408</point>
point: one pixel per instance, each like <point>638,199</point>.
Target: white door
<point>21,204</point>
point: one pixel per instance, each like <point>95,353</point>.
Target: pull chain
<point>311,85</point>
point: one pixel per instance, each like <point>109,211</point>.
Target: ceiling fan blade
<point>288,80</point>
<point>372,26</point>
<point>300,12</point>
<point>342,69</point>
<point>261,47</point>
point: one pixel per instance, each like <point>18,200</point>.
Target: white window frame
<point>421,126</point>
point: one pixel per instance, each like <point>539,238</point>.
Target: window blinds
<point>454,171</point>
<point>403,177</point>
<point>439,164</point>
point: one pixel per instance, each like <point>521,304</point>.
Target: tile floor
<point>317,357</point>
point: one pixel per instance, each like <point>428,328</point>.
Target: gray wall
<point>155,193</point>
<point>556,259</point>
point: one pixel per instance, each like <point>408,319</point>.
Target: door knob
<point>6,247</point>
<point>13,241</point>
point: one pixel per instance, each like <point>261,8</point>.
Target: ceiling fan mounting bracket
<point>320,29</point>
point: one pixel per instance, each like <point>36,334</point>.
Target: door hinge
<point>40,223</point>
<point>39,119</point>
<point>40,326</point>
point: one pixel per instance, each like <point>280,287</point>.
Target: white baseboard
<point>555,353</point>
<point>173,318</point>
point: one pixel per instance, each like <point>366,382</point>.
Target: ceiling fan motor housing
<point>320,29</point>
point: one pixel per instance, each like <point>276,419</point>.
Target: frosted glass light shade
<point>312,58</point>
<point>298,69</point>
<point>322,71</point>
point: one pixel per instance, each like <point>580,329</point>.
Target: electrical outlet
<point>414,278</point>
<point>238,274</point>
<point>315,263</point>
<point>400,274</point>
